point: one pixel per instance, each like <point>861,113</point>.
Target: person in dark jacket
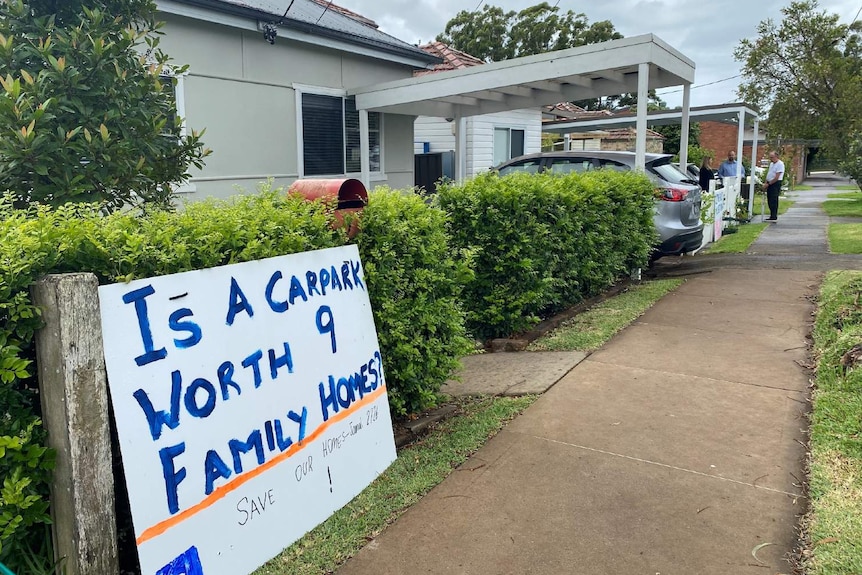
<point>706,173</point>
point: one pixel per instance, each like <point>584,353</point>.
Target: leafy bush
<point>415,285</point>
<point>84,116</point>
<point>542,242</point>
<point>412,276</point>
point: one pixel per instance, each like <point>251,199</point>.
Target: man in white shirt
<point>774,177</point>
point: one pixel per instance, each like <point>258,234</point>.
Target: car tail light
<point>674,194</point>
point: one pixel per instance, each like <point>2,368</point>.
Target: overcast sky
<point>706,32</point>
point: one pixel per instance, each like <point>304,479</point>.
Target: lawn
<point>758,209</point>
<point>850,187</point>
<point>802,188</point>
<point>591,329</point>
<point>845,238</point>
<point>846,195</point>
<point>737,243</point>
<point>844,208</point>
<point>423,465</point>
<point>833,527</point>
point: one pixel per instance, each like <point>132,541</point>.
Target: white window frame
<point>168,74</point>
<point>509,129</point>
<point>299,90</point>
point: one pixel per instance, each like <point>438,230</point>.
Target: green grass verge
<point>844,208</point>
<point>737,243</point>
<point>834,524</point>
<point>590,330</point>
<point>758,210</point>
<point>802,188</point>
<point>845,238</point>
<point>850,187</point>
<point>417,469</point>
<point>847,195</point>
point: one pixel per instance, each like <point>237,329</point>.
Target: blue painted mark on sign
<point>189,563</point>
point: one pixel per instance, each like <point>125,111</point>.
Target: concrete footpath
<point>677,448</point>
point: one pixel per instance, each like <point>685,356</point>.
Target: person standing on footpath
<point>705,173</point>
<point>774,177</point>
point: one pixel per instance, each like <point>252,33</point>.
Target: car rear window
<point>529,166</point>
<point>567,165</point>
<point>669,173</point>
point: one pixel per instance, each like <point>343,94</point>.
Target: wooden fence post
<point>73,388</point>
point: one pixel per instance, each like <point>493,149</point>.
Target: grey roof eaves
<point>242,9</point>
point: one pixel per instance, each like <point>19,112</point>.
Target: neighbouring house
<point>268,80</point>
<point>611,139</point>
<point>491,139</point>
<point>720,137</point>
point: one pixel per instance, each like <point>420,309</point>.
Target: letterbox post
<point>73,390</point>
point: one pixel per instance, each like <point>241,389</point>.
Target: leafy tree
<point>672,134</point>
<point>807,71</point>
<point>492,34</point>
<point>86,107</point>
<point>852,163</point>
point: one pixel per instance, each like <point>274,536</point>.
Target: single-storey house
<point>290,89</point>
<point>610,139</point>
<point>269,82</point>
<point>491,138</point>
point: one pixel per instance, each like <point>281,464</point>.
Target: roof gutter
<point>419,56</point>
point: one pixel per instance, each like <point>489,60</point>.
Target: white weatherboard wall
<point>480,135</point>
<point>250,405</point>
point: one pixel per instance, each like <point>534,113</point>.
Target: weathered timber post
<point>73,388</point>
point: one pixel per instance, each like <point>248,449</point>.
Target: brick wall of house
<point>719,138</point>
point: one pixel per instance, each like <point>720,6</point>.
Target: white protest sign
<point>250,405</point>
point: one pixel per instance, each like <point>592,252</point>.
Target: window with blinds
<point>330,136</point>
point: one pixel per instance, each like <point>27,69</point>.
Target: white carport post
<point>364,152</point>
<point>683,133</point>
<point>753,166</point>
<point>643,92</point>
<point>567,142</point>
<point>460,149</point>
<point>740,137</point>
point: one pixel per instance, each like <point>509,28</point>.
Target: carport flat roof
<point>592,71</point>
<point>728,113</point>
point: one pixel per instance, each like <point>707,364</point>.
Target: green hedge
<point>543,242</point>
<point>495,253</point>
<point>415,285</point>
<point>412,276</point>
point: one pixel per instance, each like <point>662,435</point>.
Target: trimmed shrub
<point>542,242</point>
<point>415,285</point>
<point>413,279</point>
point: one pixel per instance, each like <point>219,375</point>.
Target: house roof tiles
<point>452,59</point>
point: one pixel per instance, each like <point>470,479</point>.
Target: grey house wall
<point>241,89</point>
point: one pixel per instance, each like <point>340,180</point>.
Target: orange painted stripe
<point>221,492</point>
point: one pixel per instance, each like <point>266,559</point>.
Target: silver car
<point>677,214</point>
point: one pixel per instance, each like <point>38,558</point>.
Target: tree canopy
<point>87,109</point>
<point>805,70</point>
<point>493,34</point>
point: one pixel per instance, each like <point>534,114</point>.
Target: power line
<point>479,5</point>
<point>325,10</point>
<point>703,85</point>
<point>856,17</point>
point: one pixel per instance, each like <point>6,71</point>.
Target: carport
<point>737,114</point>
<point>629,65</point>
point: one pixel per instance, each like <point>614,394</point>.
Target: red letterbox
<point>347,196</point>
